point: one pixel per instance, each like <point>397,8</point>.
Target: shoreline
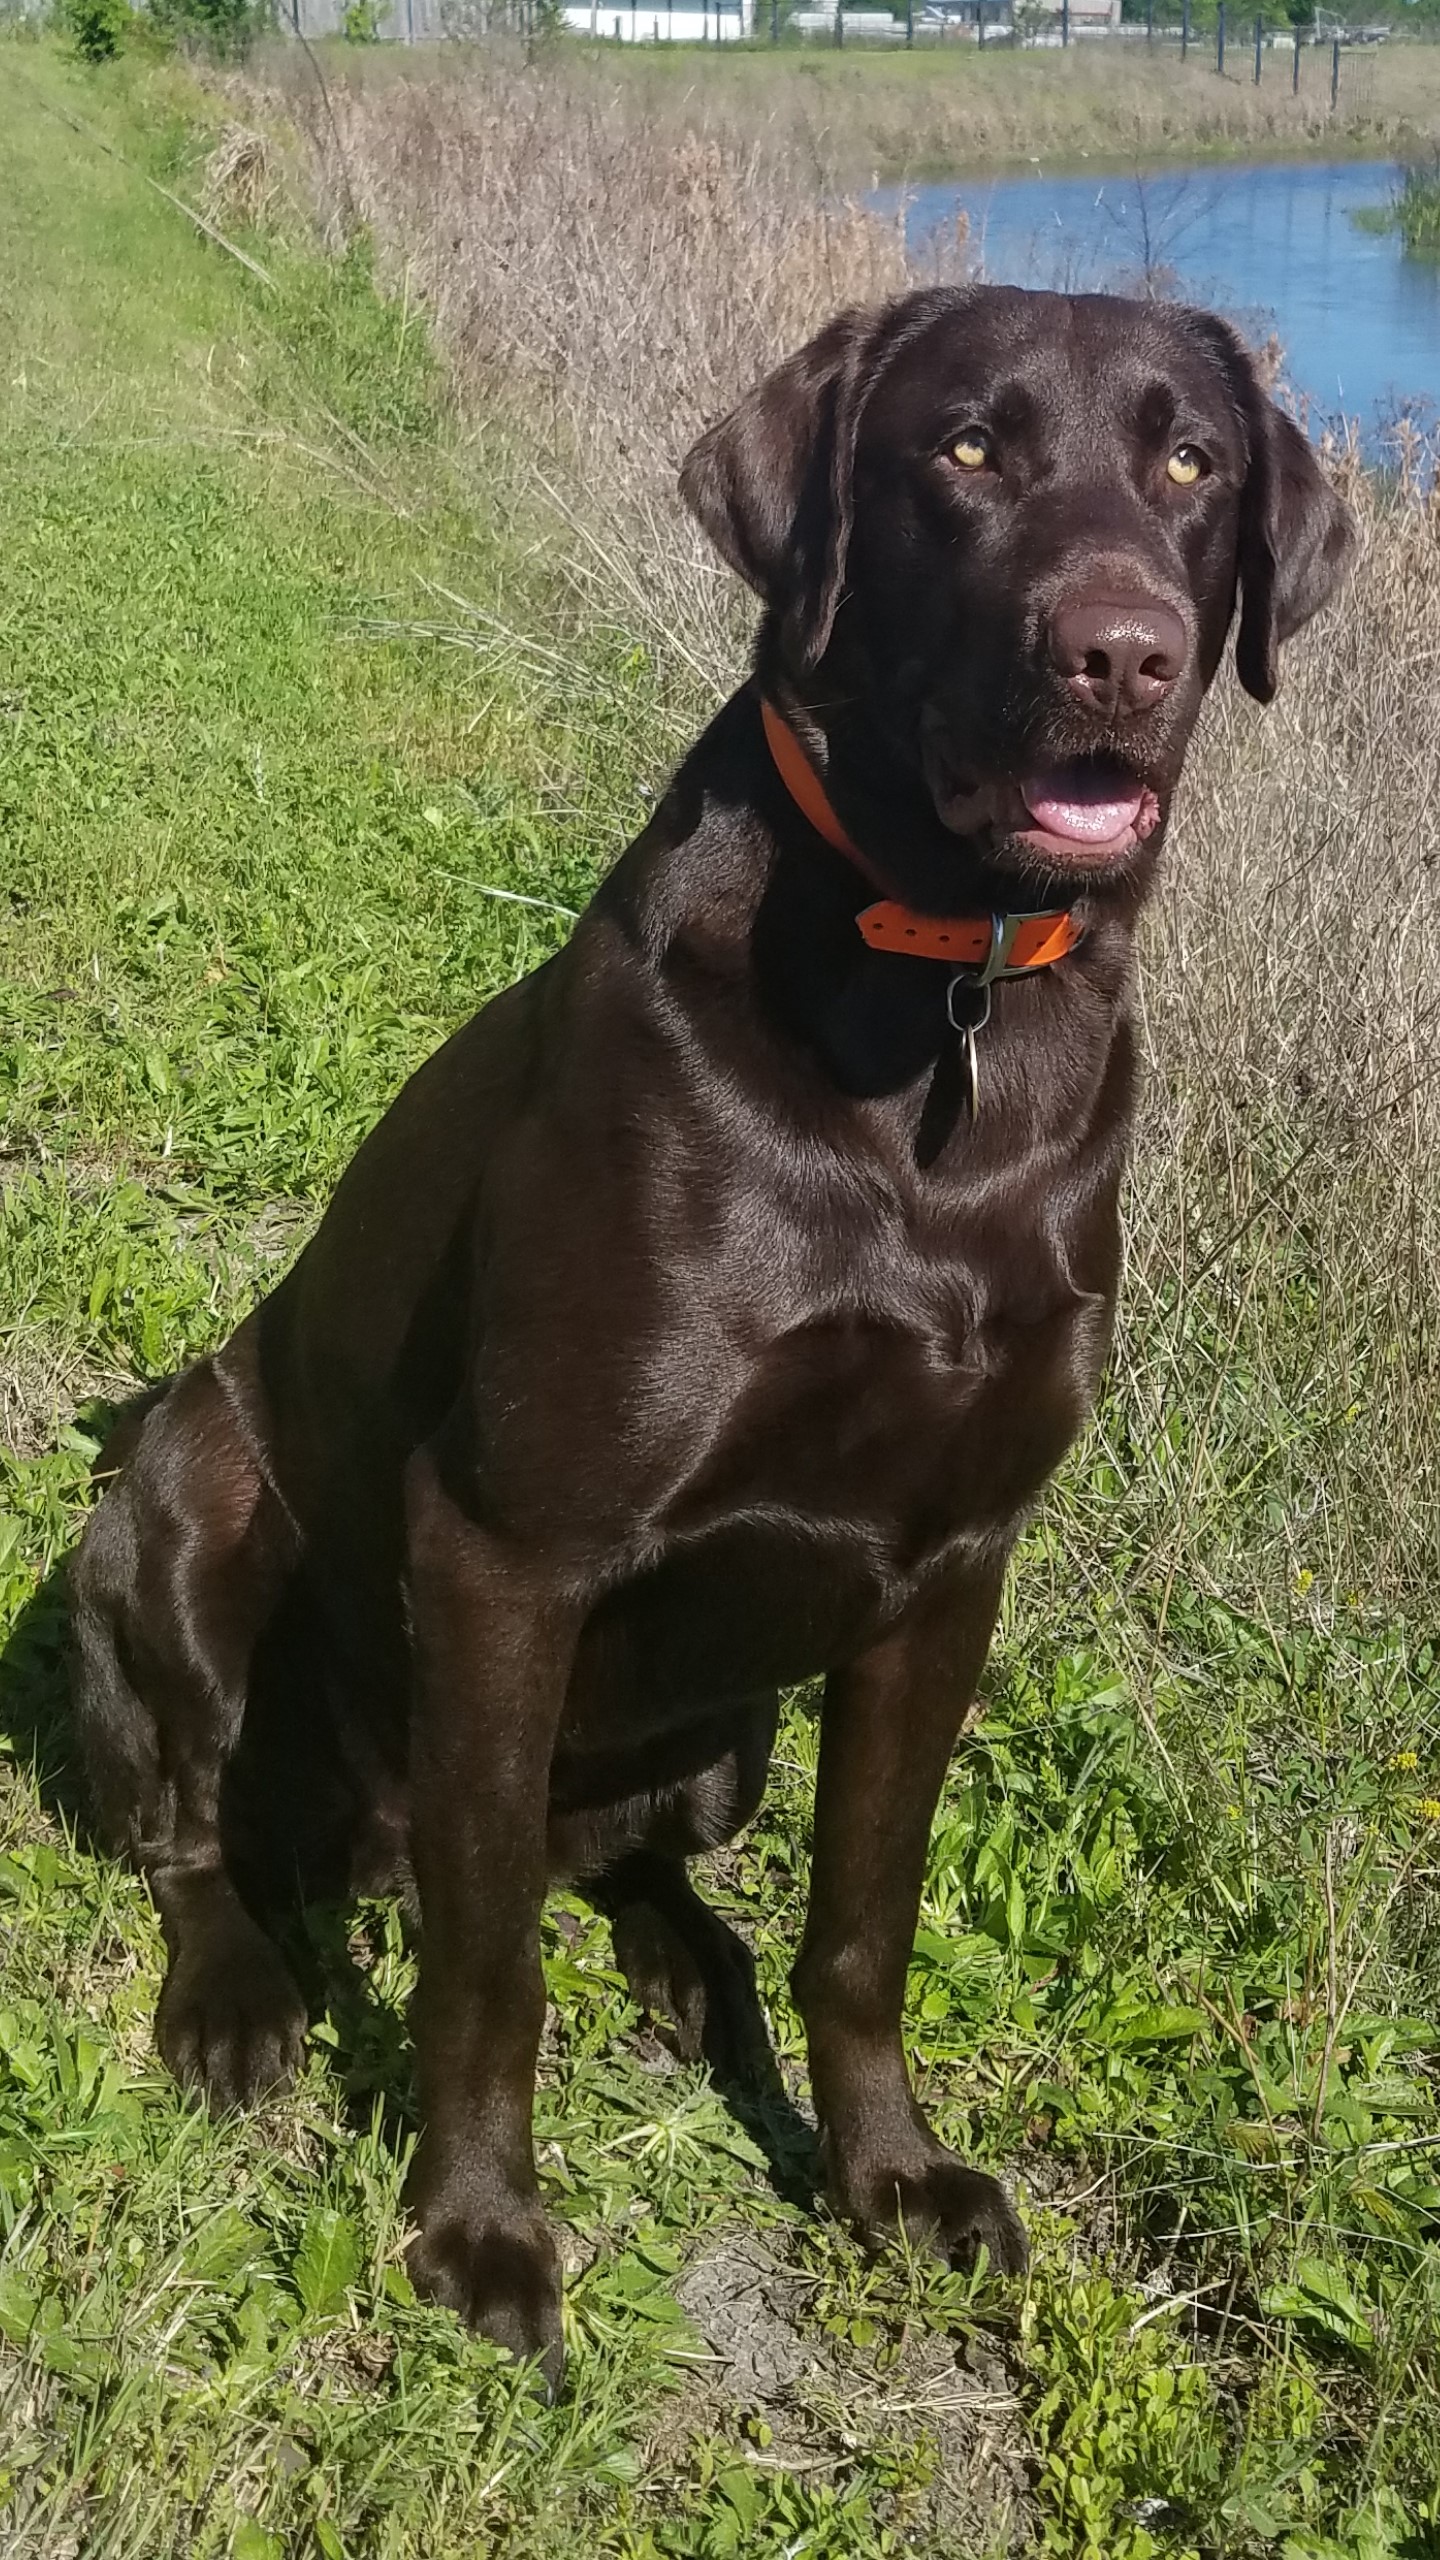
<point>1240,154</point>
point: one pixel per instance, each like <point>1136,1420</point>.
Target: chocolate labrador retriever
<point>710,1311</point>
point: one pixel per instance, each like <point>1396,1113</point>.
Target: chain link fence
<point>1219,34</point>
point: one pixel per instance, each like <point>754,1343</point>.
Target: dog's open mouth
<point>1079,814</point>
<point>1089,810</point>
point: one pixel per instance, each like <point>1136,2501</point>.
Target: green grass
<point>1177,1964</point>
<point>1417,209</point>
<point>1413,210</point>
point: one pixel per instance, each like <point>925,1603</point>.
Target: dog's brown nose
<point>1120,657</point>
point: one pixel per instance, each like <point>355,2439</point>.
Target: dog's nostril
<point>1096,664</point>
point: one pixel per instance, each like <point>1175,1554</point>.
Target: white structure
<point>875,26</point>
<point>1087,18</point>
<point>652,22</point>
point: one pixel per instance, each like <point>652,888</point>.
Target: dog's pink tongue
<point>1082,803</point>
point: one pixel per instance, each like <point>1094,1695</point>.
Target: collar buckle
<point>978,949</point>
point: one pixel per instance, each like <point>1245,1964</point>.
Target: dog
<point>709,1313</point>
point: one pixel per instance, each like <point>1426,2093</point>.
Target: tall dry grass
<point>842,117</point>
<point>596,271</point>
<point>606,275</point>
<point>959,109</point>
<point>1282,1361</point>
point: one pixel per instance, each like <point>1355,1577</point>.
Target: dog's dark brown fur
<point>677,1335</point>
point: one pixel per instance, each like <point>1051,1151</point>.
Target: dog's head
<point>1009,530</point>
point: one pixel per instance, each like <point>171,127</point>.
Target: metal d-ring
<point>967,1010</point>
<point>966,983</point>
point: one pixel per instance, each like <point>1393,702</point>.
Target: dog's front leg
<point>494,1641</point>
<point>889,1724</point>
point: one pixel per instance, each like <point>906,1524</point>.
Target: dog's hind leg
<point>177,1576</point>
<point>685,1964</point>
<point>679,1958</point>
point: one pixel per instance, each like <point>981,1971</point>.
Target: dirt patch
<point>747,2309</point>
<point>823,2407</point>
<point>43,1386</point>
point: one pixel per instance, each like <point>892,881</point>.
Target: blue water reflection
<point>1274,245</point>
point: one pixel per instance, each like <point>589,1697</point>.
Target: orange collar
<point>990,946</point>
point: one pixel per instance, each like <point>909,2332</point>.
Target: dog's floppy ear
<point>1296,535</point>
<point>771,485</point>
<point>1296,540</point>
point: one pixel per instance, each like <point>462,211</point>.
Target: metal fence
<point>1228,38</point>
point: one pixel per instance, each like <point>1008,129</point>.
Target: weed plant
<point>1417,208</point>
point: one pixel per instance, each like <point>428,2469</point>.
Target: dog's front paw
<point>942,2204</point>
<point>500,2274</point>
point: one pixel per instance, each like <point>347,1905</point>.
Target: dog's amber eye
<point>1187,465</point>
<point>971,450</point>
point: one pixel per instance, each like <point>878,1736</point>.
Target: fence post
<point>774,21</point>
<point>1259,44</point>
<point>1295,68</point>
<point>1184,28</point>
<point>909,22</point>
<point>980,22</point>
<point>839,21</point>
<point>1064,21</point>
<point>1220,39</point>
<point>1149,21</point>
<point>1334,75</point>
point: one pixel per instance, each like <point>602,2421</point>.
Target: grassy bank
<point>304,656</point>
<point>853,114</point>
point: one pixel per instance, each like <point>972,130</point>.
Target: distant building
<point>1087,18</point>
<point>651,22</point>
<point>722,21</point>
<point>1040,21</point>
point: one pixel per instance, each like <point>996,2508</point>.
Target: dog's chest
<point>904,1428</point>
<point>856,1450</point>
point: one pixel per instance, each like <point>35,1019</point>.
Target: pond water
<point>1275,246</point>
